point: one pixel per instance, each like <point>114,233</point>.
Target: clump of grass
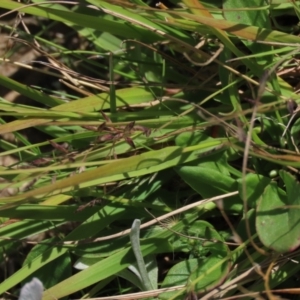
<point>126,112</point>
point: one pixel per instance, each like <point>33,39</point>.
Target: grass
<point>156,154</point>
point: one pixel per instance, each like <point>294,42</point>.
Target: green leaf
<point>204,272</point>
<point>210,179</point>
<point>255,185</point>
<point>206,181</point>
<point>278,218</point>
<point>243,12</point>
<point>191,138</point>
<point>200,273</point>
<point>253,15</point>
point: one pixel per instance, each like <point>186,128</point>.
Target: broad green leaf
<point>200,273</point>
<point>243,12</point>
<point>191,138</point>
<point>204,271</point>
<point>278,218</point>
<point>253,15</point>
<point>208,180</point>
<point>255,185</point>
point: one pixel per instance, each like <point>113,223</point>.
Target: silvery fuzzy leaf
<point>32,290</point>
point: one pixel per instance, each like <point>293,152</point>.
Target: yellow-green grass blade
<point>146,163</point>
